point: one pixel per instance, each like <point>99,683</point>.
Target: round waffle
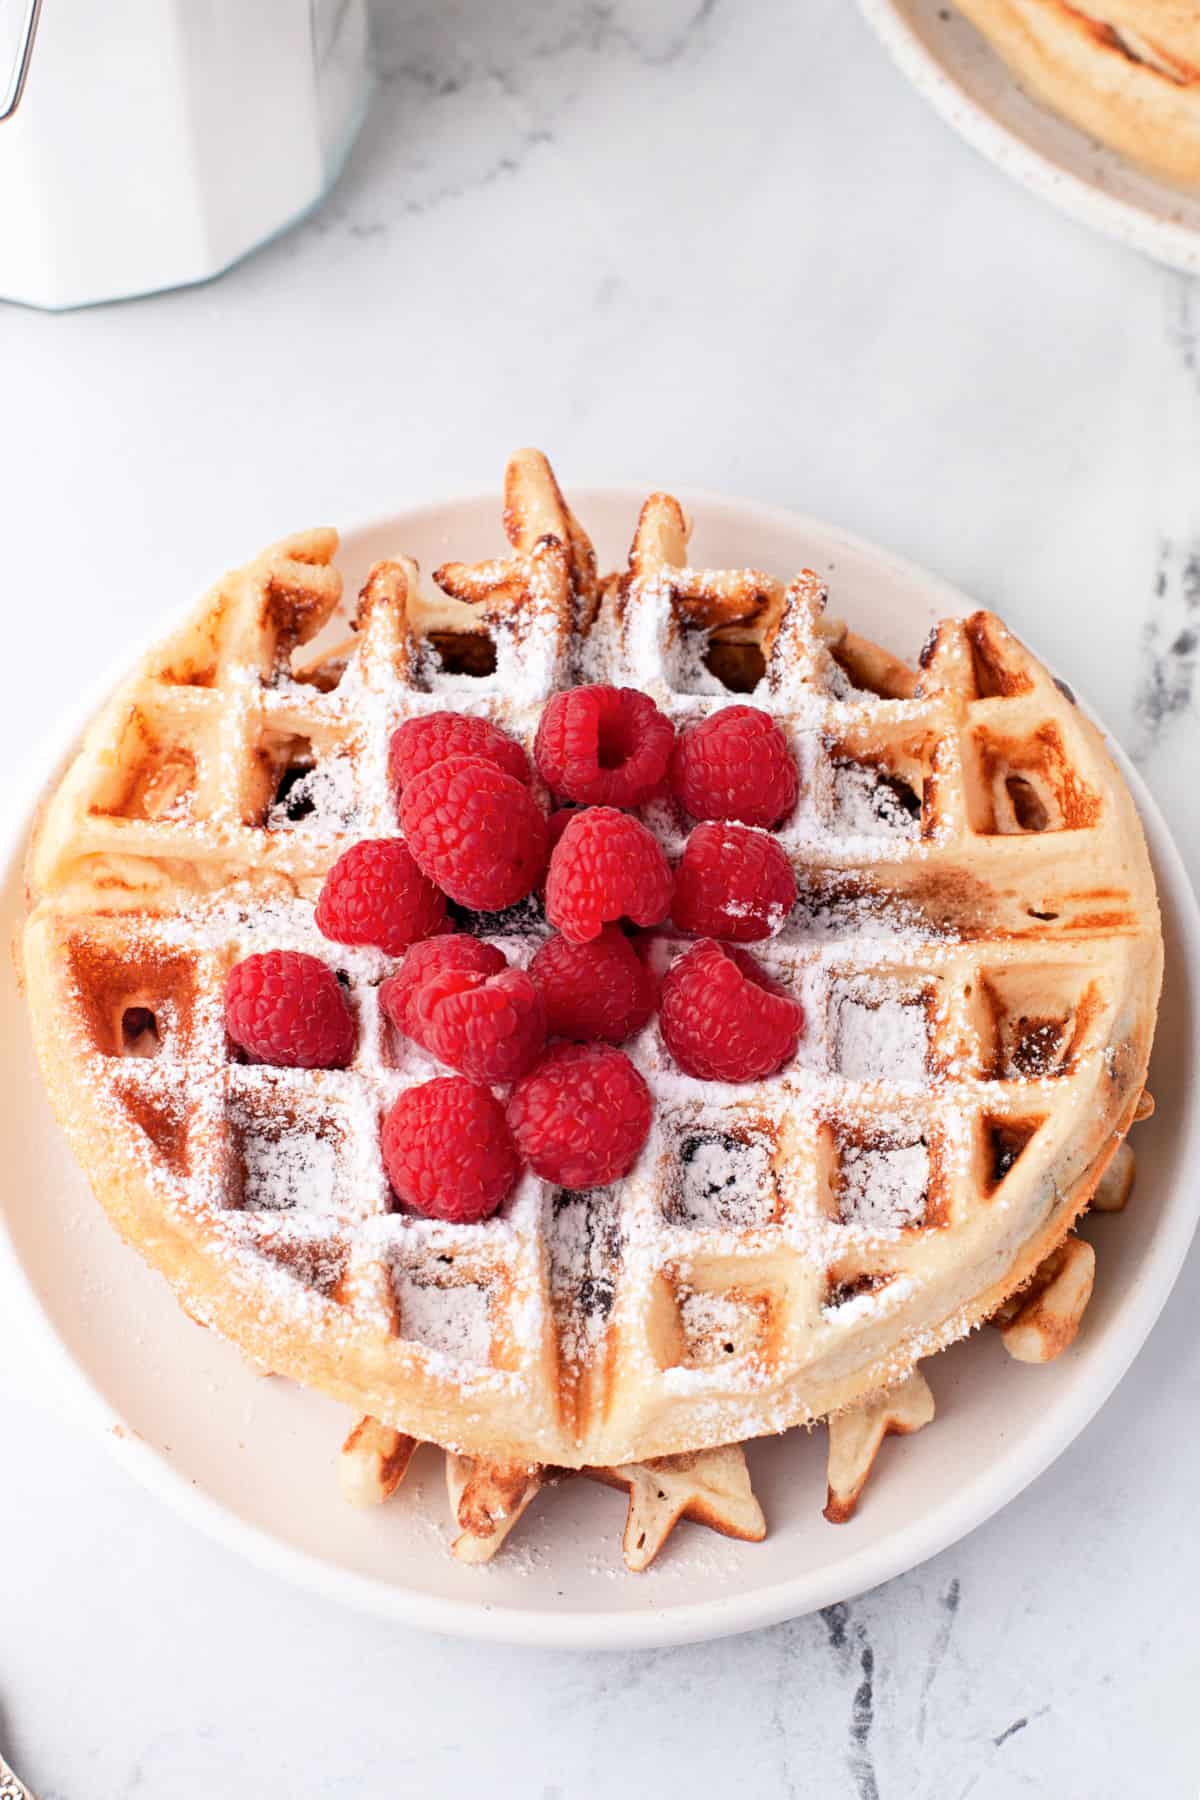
<point>976,945</point>
<point>1125,71</point>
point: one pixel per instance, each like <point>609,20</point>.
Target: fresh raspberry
<point>606,865</point>
<point>375,894</point>
<point>286,1008</point>
<point>556,824</point>
<point>476,831</point>
<point>604,746</point>
<point>431,957</point>
<point>735,765</point>
<point>490,1027</point>
<point>448,1150</point>
<point>732,883</point>
<point>602,989</point>
<point>558,821</point>
<point>723,1018</point>
<point>581,1118</point>
<point>419,743</point>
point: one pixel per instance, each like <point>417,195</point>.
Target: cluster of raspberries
<point>577,1111</point>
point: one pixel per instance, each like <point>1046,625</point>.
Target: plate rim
<point>1167,241</point>
<point>982,1496</point>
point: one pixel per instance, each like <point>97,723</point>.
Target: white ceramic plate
<point>252,1460</point>
<point>955,69</point>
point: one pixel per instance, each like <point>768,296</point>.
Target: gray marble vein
<point>1166,690</point>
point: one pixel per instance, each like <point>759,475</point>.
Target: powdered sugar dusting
<point>689,668</point>
<point>724,1181</point>
<point>866,916</point>
<point>288,1171</point>
<point>878,1037</point>
<point>454,1321</point>
<point>870,803</point>
<point>322,801</point>
<point>884,1189</point>
<point>717,1326</point>
<point>584,1247</point>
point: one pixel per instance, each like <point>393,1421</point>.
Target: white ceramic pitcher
<point>149,143</point>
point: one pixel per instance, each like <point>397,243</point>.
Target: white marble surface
<point>710,244</point>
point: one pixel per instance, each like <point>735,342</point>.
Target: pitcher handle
<point>10,96</point>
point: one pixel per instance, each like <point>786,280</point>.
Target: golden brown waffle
<point>487,1499</point>
<point>1125,71</point>
<point>976,945</point>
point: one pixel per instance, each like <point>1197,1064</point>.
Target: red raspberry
<point>558,821</point>
<point>581,1118</point>
<point>476,831</point>
<point>556,824</point>
<point>605,866</point>
<point>429,958</point>
<point>605,746</point>
<point>732,883</point>
<point>375,894</point>
<point>286,1008</point>
<point>723,1018</point>
<point>419,743</point>
<point>491,1027</point>
<point>735,765</point>
<point>598,990</point>
<point>448,1151</point>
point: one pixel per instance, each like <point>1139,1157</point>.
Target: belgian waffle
<point>976,945</point>
<point>1125,71</point>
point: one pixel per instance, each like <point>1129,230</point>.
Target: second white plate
<point>955,69</point>
<point>253,1461</point>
